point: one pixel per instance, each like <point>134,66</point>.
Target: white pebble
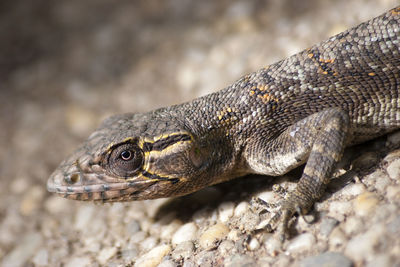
<point>363,246</point>
<point>153,257</point>
<point>241,208</point>
<point>186,232</point>
<point>106,254</point>
<point>254,244</point>
<point>301,243</point>
<point>226,211</point>
<point>393,169</point>
<point>212,235</point>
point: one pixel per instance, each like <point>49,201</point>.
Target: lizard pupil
<point>126,155</point>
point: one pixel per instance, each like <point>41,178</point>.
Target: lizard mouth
<point>101,187</point>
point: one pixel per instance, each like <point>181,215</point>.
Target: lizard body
<point>303,109</point>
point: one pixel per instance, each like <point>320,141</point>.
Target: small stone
<point>365,203</point>
<point>331,259</point>
<point>393,192</point>
<point>32,200</point>
<point>153,257</point>
<point>149,243</point>
<point>382,260</point>
<point>363,246</point>
<point>327,225</point>
<point>353,225</point>
<point>226,246</point>
<point>167,263</point>
<point>382,183</point>
<point>183,251</point>
<point>56,205</point>
<point>354,189</point>
<point>84,217</point>
<point>301,243</point>
<point>136,239</point>
<point>240,260</point>
<point>132,227</point>
<point>253,244</point>
<point>337,238</point>
<point>105,254</point>
<point>212,235</point>
<point>41,258</point>
<point>393,169</point>
<point>272,245</point>
<point>128,254</point>
<point>226,211</point>
<point>23,251</point>
<point>79,262</point>
<point>186,232</point>
<point>241,208</point>
<point>168,230</point>
<point>339,209</point>
<point>234,235</point>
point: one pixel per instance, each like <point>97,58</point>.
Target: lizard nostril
<point>74,178</point>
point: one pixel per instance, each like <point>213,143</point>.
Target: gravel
<point>66,65</point>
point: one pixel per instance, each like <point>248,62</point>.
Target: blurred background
<point>66,65</point>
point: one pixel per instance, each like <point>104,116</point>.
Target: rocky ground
<point>65,65</point>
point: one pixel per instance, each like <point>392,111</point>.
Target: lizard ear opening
<point>125,160</point>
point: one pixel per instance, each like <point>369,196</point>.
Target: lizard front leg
<point>318,140</point>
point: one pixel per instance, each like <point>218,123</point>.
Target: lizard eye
<point>125,160</point>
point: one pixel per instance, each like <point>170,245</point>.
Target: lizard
<point>304,109</point>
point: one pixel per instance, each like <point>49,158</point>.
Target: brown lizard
<point>302,110</point>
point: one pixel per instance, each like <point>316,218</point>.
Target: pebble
<point>84,217</point>
<point>105,254</point>
<point>186,232</point>
<point>337,238</point>
<point>183,251</point>
<point>353,225</point>
<point>253,244</point>
<point>301,243</point>
<point>354,189</point>
<point>212,235</point>
<point>79,262</point>
<point>272,245</point>
<point>327,225</point>
<point>226,247</point>
<point>226,211</point>
<point>132,227</point>
<point>363,246</point>
<point>239,261</point>
<point>153,257</point>
<point>168,230</point>
<point>128,254</point>
<point>339,209</point>
<point>56,205</point>
<point>393,169</point>
<point>382,183</point>
<point>365,203</point>
<point>149,243</point>
<point>32,200</point>
<point>381,260</point>
<point>331,259</point>
<point>23,251</point>
<point>167,263</point>
<point>41,258</point>
<point>241,208</point>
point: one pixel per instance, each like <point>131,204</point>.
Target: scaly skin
<point>304,109</point>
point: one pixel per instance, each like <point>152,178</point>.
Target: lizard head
<point>135,157</point>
